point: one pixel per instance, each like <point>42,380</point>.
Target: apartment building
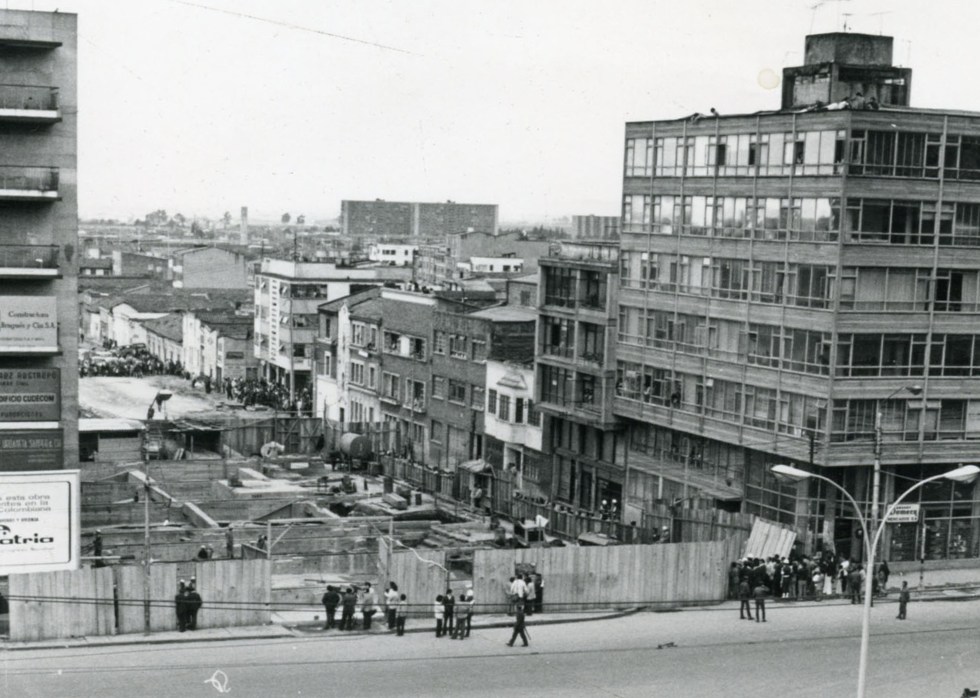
<point>801,286</point>
<point>38,240</point>
<point>380,218</point>
<point>592,227</point>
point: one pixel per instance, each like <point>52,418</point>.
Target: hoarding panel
<point>39,522</point>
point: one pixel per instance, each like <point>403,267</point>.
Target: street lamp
<point>965,474</point>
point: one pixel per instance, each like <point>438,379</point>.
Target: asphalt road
<point>801,652</point>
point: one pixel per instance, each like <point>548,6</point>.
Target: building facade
<point>801,286</point>
<point>595,227</point>
<point>39,238</point>
<point>209,267</point>
<point>381,218</point>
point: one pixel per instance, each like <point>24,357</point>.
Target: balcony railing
<point>561,301</point>
<point>28,261</point>
<point>18,183</point>
<point>29,103</point>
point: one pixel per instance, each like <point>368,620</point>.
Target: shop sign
<point>28,322</point>
<point>30,394</point>
<point>32,450</point>
<point>39,519</point>
<point>904,513</point>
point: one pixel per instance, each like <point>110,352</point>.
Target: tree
<point>196,229</point>
<point>300,219</point>
<point>286,217</point>
<point>179,220</point>
<point>226,219</point>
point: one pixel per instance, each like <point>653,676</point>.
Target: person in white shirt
<point>518,591</point>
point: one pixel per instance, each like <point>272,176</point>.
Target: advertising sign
<point>904,513</point>
<point>32,450</point>
<point>28,323</point>
<point>30,394</point>
<point>39,519</point>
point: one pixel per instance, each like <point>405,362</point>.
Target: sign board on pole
<point>28,323</point>
<point>904,513</point>
<point>30,394</point>
<point>36,449</point>
<point>39,521</point>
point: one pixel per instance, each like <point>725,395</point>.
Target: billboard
<point>33,449</point>
<point>30,394</point>
<point>28,323</point>
<point>39,522</point>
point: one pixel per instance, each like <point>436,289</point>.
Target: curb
<point>68,643</point>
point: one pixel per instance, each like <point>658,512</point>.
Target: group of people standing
<point>801,577</point>
<point>453,618</point>
<point>187,602</point>
<point>347,599</point>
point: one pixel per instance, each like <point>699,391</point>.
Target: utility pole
<point>391,544</point>
<point>146,542</point>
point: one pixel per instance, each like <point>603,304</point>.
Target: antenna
<point>881,20</point>
<point>846,15</point>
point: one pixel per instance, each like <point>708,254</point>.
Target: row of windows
<point>790,349</point>
<point>905,355</point>
<point>854,420</point>
<point>870,153</point>
<point>524,412</point>
<point>567,388</point>
<point>806,285</point>
<point>559,339</point>
<point>456,391</point>
<point>905,289</point>
<point>902,222</point>
<point>459,346</point>
<point>753,405</point>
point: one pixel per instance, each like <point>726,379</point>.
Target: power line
<point>297,27</point>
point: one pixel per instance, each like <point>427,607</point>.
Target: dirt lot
<point>110,396</point>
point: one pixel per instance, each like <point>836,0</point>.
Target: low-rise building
<point>393,254</point>
<point>165,337</point>
<point>209,267</point>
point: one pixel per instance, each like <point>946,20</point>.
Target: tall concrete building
<point>593,227</point>
<point>801,286</point>
<point>38,241</point>
<point>403,219</point>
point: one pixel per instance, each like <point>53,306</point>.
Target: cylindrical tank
<point>355,445</point>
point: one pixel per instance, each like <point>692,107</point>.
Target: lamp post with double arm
<point>965,473</point>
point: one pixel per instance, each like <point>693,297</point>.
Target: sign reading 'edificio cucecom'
<point>39,518</point>
<point>30,394</point>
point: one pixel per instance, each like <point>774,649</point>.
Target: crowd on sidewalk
<point>798,577</point>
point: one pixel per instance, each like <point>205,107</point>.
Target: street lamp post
<point>965,473</point>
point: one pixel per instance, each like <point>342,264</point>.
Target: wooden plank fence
<point>81,602</point>
<point>421,577</point>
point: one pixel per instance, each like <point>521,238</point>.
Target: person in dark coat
<point>330,601</point>
<point>744,595</point>
<point>349,602</point>
<point>97,549</point>
<point>194,603</point>
<point>519,626</point>
<point>180,605</point>
<point>760,593</point>
<point>903,601</point>
<point>449,604</point>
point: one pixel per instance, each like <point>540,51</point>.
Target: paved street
<point>806,652</point>
<point>105,396</point>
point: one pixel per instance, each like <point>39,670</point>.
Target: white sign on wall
<point>904,513</point>
<point>28,323</point>
<point>39,521</point>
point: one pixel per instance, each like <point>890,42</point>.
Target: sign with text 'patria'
<point>39,519</point>
<point>32,449</point>
<point>28,323</point>
<point>30,394</point>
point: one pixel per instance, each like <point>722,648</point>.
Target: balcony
<point>29,104</point>
<point>29,262</point>
<point>19,183</point>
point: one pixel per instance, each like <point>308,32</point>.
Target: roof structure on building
<point>198,299</point>
<point>507,313</point>
<point>169,327</point>
<point>101,263</point>
<point>226,323</point>
<point>350,301</point>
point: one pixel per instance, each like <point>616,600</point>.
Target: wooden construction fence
<point>82,603</point>
<point>578,578</point>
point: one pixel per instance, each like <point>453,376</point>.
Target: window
<point>492,402</point>
<point>519,410</point>
<point>435,430</point>
<point>372,377</point>
<point>415,394</point>
<point>438,387</point>
<point>639,157</point>
<point>533,416</point>
<point>417,348</point>
<point>357,334</point>
<point>457,391</point>
<point>504,411</point>
<point>457,346</point>
<point>525,298</point>
<point>479,350</point>
<point>390,386</point>
<point>477,397</point>
<point>439,343</point>
<point>357,373</point>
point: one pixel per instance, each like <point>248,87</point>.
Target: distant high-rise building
<point>38,241</point>
<point>400,219</point>
<point>595,227</point>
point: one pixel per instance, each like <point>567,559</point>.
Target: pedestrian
<point>368,605</point>
<point>817,584</point>
<point>391,605</point>
<point>531,595</point>
<point>519,626</point>
<point>349,602</point>
<point>733,579</point>
<point>439,609</point>
<point>202,554</point>
<point>744,594</point>
<point>760,593</point>
<point>854,582</point>
<point>400,614</point>
<point>230,543</point>
<point>330,601</point>
<point>469,611</point>
<point>518,591</point>
<point>883,574</point>
<point>903,601</point>
<point>194,603</point>
<point>449,612</point>
<point>180,606</point>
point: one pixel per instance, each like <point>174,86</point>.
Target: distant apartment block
<point>595,227</point>
<point>413,219</point>
<point>439,263</point>
<point>38,240</point>
<point>209,267</point>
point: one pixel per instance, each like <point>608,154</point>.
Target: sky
<point>294,105</point>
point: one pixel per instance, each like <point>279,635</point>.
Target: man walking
<point>760,593</point>
<point>349,602</point>
<point>903,601</point>
<point>519,627</point>
<point>744,595</point>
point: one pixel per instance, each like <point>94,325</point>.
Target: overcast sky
<point>202,107</point>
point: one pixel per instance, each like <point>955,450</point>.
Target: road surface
<point>803,652</point>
